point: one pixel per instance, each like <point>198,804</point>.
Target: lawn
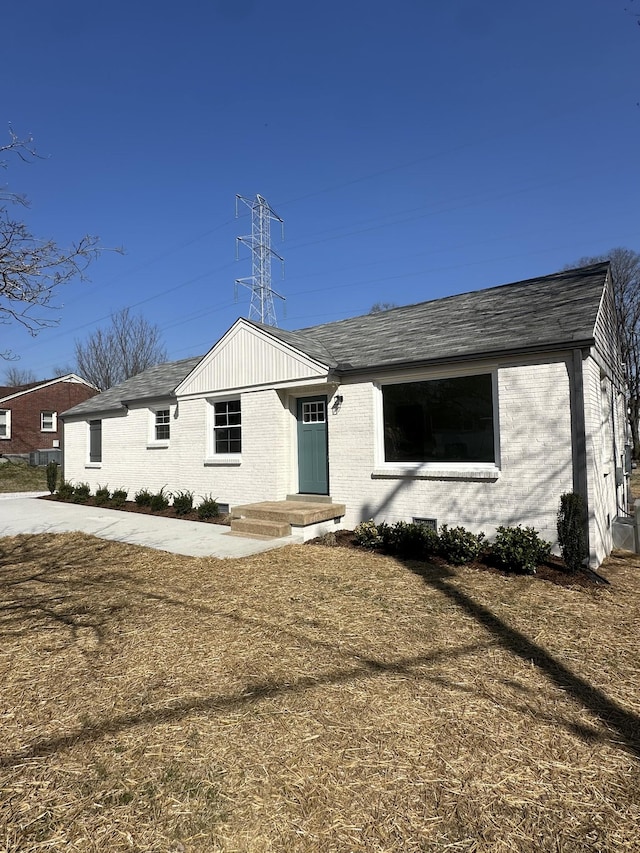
<point>312,699</point>
<point>20,477</point>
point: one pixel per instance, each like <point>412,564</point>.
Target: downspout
<point>579,438</point>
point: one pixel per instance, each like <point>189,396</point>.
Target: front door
<point>313,462</point>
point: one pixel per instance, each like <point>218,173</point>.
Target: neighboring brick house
<point>479,410</point>
<point>29,413</point>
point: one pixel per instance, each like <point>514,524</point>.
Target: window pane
<point>443,420</point>
<point>227,430</point>
<point>95,441</point>
<point>162,424</point>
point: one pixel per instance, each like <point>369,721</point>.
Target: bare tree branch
<point>125,348</point>
<point>32,269</point>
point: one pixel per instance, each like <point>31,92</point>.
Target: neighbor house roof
<point>555,311</point>
<point>9,392</point>
<point>155,383</point>
<point>539,313</point>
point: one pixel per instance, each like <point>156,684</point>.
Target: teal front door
<point>313,462</point>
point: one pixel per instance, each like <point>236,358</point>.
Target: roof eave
<point>565,346</point>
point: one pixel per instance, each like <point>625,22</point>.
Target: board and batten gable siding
<point>247,357</point>
<point>533,427</point>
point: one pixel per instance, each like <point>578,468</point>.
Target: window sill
<point>93,465</point>
<point>157,445</point>
<point>431,472</point>
<point>224,459</point>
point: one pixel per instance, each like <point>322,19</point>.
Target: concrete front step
<point>309,518</point>
<point>259,527</point>
<point>298,513</point>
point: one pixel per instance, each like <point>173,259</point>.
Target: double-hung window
<point>440,420</point>
<point>162,424</point>
<point>48,421</point>
<point>5,423</point>
<point>227,427</point>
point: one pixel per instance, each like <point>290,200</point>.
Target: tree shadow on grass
<point>623,722</point>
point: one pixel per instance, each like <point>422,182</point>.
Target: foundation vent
<point>431,523</point>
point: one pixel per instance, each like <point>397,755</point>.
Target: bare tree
<point>115,353</point>
<point>32,269</point>
<point>625,276</point>
<point>15,376</point>
<point>377,307</point>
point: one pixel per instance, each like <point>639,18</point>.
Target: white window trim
<point>54,421</point>
<point>152,442</point>
<point>213,458</point>
<point>8,422</point>
<point>435,470</point>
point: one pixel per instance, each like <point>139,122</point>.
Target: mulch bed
<point>132,506</point>
<point>552,570</point>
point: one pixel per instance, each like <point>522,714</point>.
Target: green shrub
<point>81,493</point>
<point>183,502</point>
<point>143,497</point>
<point>159,501</point>
<point>65,490</point>
<point>571,536</point>
<point>409,540</point>
<point>457,545</point>
<point>119,497</point>
<point>103,495</point>
<point>208,508</point>
<point>367,535</point>
<point>519,549</point>
<point>52,475</point>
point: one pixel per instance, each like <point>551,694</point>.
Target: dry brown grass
<point>311,699</point>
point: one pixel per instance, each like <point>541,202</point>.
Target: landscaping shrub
<point>573,543</point>
<point>457,545</point>
<point>52,475</point>
<point>65,490</point>
<point>367,535</point>
<point>183,502</point>
<point>208,508</point>
<point>409,540</point>
<point>143,497</point>
<point>159,501</point>
<point>518,549</point>
<point>119,497</point>
<point>103,495</point>
<point>81,493</point>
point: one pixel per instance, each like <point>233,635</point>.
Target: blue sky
<point>414,150</point>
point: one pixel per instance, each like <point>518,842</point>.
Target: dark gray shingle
<point>156,382</point>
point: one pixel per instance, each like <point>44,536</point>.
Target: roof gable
<point>11,392</point>
<point>251,355</point>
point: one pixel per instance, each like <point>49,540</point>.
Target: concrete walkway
<point>27,514</point>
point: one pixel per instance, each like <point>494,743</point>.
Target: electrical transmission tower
<point>259,242</point>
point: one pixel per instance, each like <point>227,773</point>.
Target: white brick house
<point>475,410</point>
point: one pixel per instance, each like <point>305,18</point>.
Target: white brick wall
<point>128,461</point>
<point>534,458</point>
<point>534,433</point>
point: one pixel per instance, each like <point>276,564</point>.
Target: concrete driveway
<point>24,513</point>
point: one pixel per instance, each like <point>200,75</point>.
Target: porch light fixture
<point>337,403</point>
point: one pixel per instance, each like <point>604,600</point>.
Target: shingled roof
<point>539,313</point>
<point>552,312</point>
<point>155,383</point>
